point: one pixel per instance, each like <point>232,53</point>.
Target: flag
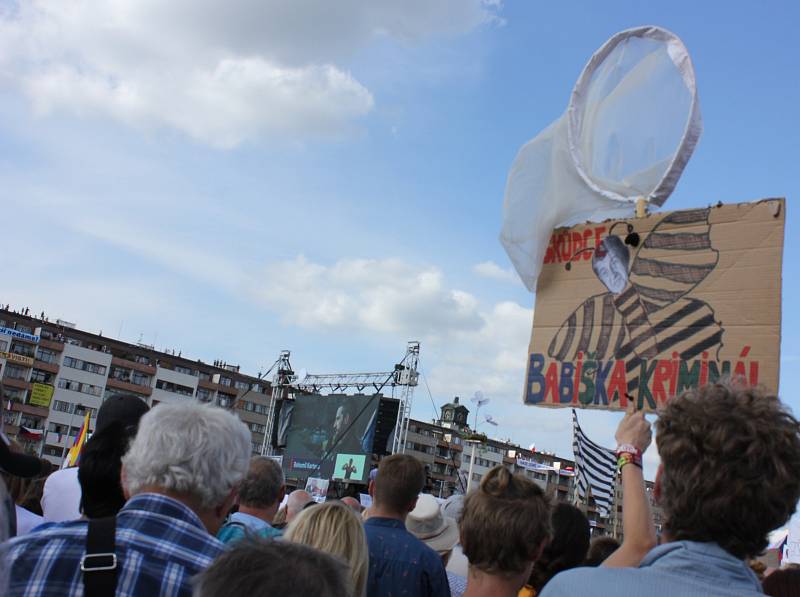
<point>74,453</point>
<point>28,433</point>
<point>479,399</point>
<point>595,469</point>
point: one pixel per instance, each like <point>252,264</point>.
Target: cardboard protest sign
<point>646,308</point>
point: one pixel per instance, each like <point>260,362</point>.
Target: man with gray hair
<point>180,477</point>
<point>260,496</point>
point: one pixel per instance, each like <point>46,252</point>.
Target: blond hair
<point>334,528</point>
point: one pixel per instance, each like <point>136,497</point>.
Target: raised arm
<point>637,521</point>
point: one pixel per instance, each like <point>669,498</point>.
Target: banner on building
<point>646,308</point>
<point>41,394</point>
<point>16,358</point>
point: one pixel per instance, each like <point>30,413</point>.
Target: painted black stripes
<point>682,241</point>
<point>677,272</point>
<point>588,325</point>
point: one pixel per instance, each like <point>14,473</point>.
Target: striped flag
<point>595,469</point>
<point>74,454</point>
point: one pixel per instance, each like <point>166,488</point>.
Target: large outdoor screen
<point>331,437</point>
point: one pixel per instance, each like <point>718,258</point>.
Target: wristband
<point>629,449</point>
<point>627,458</point>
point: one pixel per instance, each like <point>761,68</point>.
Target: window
<point>24,328</point>
<point>3,345</point>
<point>40,376</point>
<point>31,422</point>
<point>25,350</point>
<point>53,451</point>
<point>255,447</point>
<point>62,406</point>
<point>241,385</point>
<point>142,359</point>
<point>14,372</point>
<point>256,427</point>
<point>184,370</point>
<point>85,366</point>
<point>175,388</point>
<point>140,379</point>
<point>205,376</point>
<point>76,386</point>
<point>45,355</point>
<point>203,394</point>
<point>223,400</point>
<point>225,381</point>
<point>9,417</point>
<point>261,409</point>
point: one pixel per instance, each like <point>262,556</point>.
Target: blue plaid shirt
<point>160,544</point>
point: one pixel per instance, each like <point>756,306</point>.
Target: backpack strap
<point>99,563</point>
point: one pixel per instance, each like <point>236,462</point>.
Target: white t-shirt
<point>61,497</point>
<point>27,521</point>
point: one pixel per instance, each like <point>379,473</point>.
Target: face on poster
<point>647,308</point>
<point>317,488</point>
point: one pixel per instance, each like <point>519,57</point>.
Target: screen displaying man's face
<point>341,421</point>
<point>610,264</point>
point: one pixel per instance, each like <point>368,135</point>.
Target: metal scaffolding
<point>404,376</point>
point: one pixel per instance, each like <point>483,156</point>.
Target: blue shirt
<point>160,545</point>
<point>241,525</point>
<point>678,569</point>
<point>400,564</point>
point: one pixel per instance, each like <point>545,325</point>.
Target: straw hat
<point>427,523</point>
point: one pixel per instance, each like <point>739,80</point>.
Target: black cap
<point>17,463</point>
<point>125,409</point>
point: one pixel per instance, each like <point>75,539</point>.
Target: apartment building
<point>54,374</point>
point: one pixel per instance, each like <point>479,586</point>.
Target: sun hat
<point>427,523</point>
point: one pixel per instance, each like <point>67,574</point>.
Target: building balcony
<point>45,366</point>
<point>125,363</point>
<point>126,386</point>
<point>55,345</point>
<point>29,409</point>
<point>19,384</point>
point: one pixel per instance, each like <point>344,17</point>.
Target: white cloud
<point>366,295</point>
<point>221,73</point>
<point>489,269</point>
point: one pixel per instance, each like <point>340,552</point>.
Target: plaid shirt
<point>160,544</point>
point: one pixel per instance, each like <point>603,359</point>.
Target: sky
<point>328,178</point>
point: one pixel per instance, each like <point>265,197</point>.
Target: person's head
<point>101,458</point>
<point>262,489</point>
<point>782,583</point>
<point>504,525</point>
<point>428,524</point>
<point>260,567</point>
<point>399,481</point>
<point>730,460</point>
<point>298,500</point>
<point>343,418</point>
<point>599,549</point>
<point>195,453</point>
<point>335,529</point>
<point>568,547</point>
<point>610,263</point>
<point>353,504</point>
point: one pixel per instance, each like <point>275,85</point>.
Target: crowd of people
<point>169,501</point>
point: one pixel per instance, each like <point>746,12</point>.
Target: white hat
<point>427,523</point>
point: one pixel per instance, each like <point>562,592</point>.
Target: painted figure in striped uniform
<point>646,312</point>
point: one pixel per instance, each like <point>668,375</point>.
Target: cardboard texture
<point>645,308</point>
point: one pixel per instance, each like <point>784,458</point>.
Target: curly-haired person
<point>730,473</point>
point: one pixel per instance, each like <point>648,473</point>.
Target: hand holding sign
<point>634,429</point>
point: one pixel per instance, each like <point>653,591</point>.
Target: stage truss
<point>403,377</point>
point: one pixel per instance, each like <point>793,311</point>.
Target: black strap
<point>99,564</point>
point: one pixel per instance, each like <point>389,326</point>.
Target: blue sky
<point>331,181</point>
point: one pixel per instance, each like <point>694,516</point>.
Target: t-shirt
<point>61,496</point>
<point>241,524</point>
